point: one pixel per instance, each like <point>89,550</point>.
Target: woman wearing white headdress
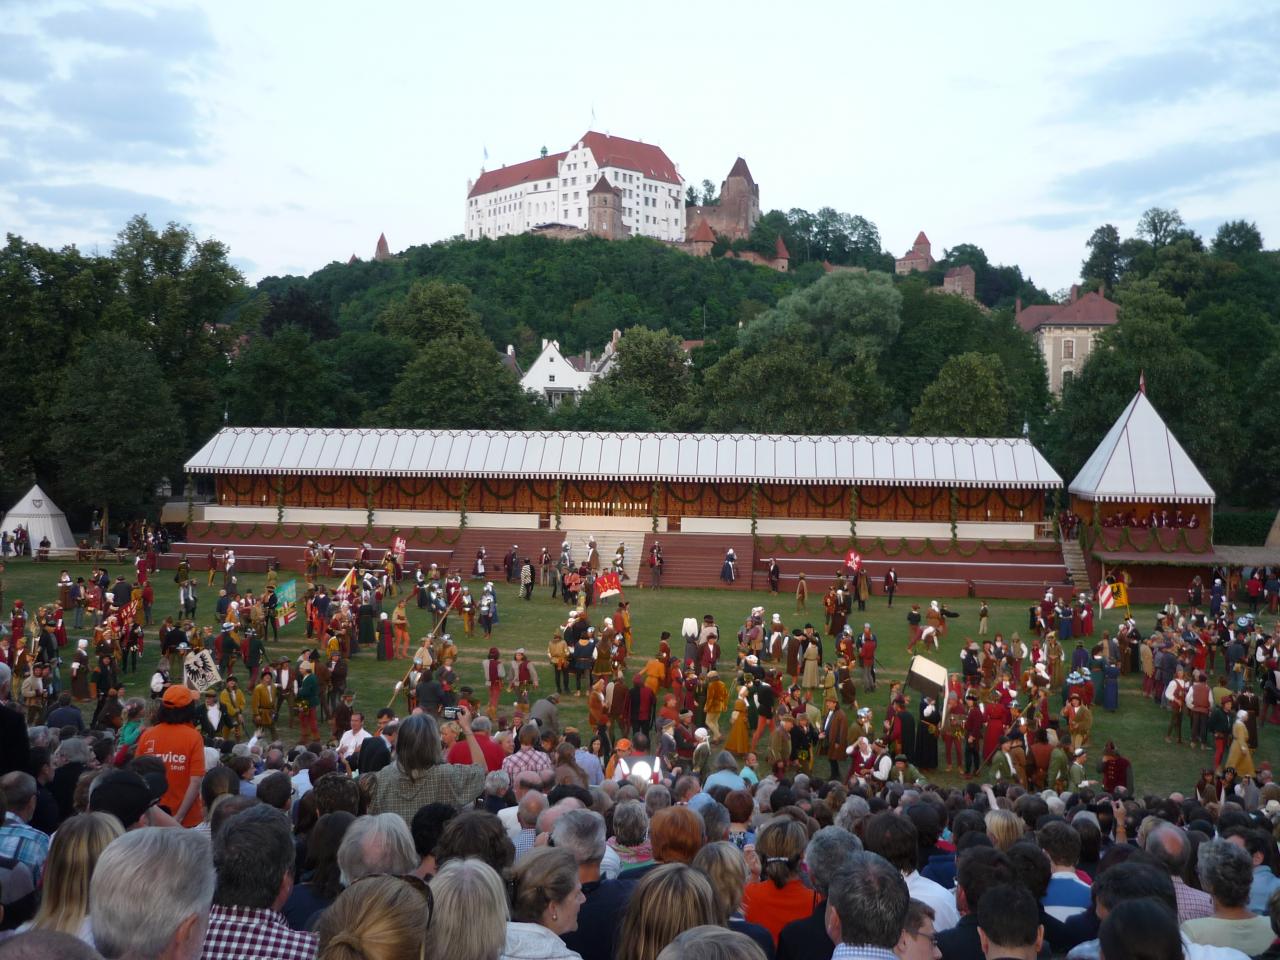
<point>1241,757</point>
<point>729,571</point>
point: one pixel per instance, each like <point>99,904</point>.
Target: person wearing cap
<point>834,734</point>
<point>1079,720</point>
<point>130,799</point>
<point>232,701</point>
<point>1076,772</point>
<point>174,739</point>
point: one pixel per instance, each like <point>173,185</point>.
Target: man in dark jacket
<point>977,871</point>
<point>827,852</point>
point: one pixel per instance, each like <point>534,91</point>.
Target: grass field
<point>1138,727</point>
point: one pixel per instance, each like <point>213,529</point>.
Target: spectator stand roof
<point>731,458</point>
<point>1140,460</point>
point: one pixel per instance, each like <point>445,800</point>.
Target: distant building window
<point>1068,349</point>
<point>1067,374</point>
<point>552,378</point>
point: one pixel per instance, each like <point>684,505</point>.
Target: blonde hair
<point>667,901</point>
<point>72,858</point>
<point>377,918</point>
<point>725,867</point>
<point>544,876</point>
<point>470,921</point>
<point>1004,827</point>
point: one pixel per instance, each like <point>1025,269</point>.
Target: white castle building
<point>552,189</point>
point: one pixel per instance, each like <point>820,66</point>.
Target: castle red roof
<point>539,168</point>
<point>1090,310</point>
<point>739,169</point>
<point>780,250</point>
<point>703,233</point>
<point>921,238</point>
<point>382,251</point>
<point>645,158</point>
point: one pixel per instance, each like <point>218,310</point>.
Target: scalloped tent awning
<point>1140,460</point>
<point>731,458</point>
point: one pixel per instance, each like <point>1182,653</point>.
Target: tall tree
<point>1236,239</point>
<point>429,311</point>
<point>652,364</point>
<point>967,399</point>
<point>1159,226</point>
<point>1104,260</point>
<point>282,381</point>
<point>113,450</point>
<point>299,309</point>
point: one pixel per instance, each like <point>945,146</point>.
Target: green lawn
<point>1138,727</point>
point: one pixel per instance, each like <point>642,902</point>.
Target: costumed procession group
<point>1017,709</point>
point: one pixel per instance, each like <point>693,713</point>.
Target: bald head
<point>531,806</point>
<point>547,820</point>
<point>1169,845</point>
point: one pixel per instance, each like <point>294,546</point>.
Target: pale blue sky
<point>297,132</point>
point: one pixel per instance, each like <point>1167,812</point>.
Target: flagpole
<point>422,649</point>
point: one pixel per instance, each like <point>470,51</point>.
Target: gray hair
<point>252,853</point>
<point>481,724</point>
<point>854,811</point>
<point>871,899</point>
<point>40,736</point>
<point>656,798</point>
<point>581,832</point>
<point>18,788</point>
<point>1169,845</point>
<point>75,750</point>
<point>630,823</point>
<point>497,783</point>
<point>470,917</point>
<point>531,806</point>
<point>726,761</point>
<point>418,745</point>
<point>146,884</point>
<point>829,849</point>
<point>6,676</point>
<point>711,943</point>
<point>379,843</point>
<point>715,822</point>
<point>1225,871</point>
<point>763,792</point>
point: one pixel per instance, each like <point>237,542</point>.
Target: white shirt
<point>351,741</point>
<point>943,901</point>
<point>508,817</point>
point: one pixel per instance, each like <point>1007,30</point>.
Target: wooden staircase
<point>1073,557</point>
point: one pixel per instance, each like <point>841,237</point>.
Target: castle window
<point>1068,349</point>
<point>1067,374</point>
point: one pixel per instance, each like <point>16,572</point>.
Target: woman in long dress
<point>1111,686</point>
<point>1241,757</point>
<point>739,741</point>
<point>729,571</point>
<point>810,678</point>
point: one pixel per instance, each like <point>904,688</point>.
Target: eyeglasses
<point>931,937</point>
<point>416,882</point>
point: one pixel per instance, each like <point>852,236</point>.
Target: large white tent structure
<point>41,518</point>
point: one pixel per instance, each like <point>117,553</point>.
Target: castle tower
<point>739,201</point>
<point>604,211</point>
<point>382,251</point>
<point>702,239</point>
<point>781,256</point>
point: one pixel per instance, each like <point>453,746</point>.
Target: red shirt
<point>774,908</point>
<point>181,748</point>
<point>460,752</point>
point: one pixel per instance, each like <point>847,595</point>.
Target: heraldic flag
<point>1111,594</point>
<point>349,585</point>
<point>608,585</point>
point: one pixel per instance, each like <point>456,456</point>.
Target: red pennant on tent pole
<point>1142,382</point>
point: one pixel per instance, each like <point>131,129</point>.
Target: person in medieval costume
<point>593,554</point>
<point>926,746</point>
<point>510,563</point>
<point>775,575</point>
<point>80,672</point>
<point>478,571</point>
<point>729,569</point>
<point>620,561</point>
<point>523,677</point>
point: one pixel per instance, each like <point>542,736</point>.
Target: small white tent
<point>41,518</point>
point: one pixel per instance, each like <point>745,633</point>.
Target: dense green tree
<point>365,366</point>
<point>459,382</point>
<point>1236,239</point>
<point>652,364</point>
<point>1159,226</point>
<point>793,390</point>
<point>112,449</point>
<point>967,399</point>
<point>845,315</point>
<point>1256,476</point>
<point>1104,260</point>
<point>609,405</point>
<point>282,381</point>
<point>298,308</point>
<point>826,236</point>
<point>994,285</point>
<point>429,311</point>
<point>710,195</point>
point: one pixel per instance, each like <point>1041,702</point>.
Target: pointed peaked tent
<point>1141,461</point>
<point>41,518</point>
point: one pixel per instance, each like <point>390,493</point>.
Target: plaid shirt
<point>844,951</point>
<point>24,844</point>
<point>523,840</point>
<point>254,933</point>
<point>455,783</point>
<point>530,758</point>
<point>1192,904</point>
